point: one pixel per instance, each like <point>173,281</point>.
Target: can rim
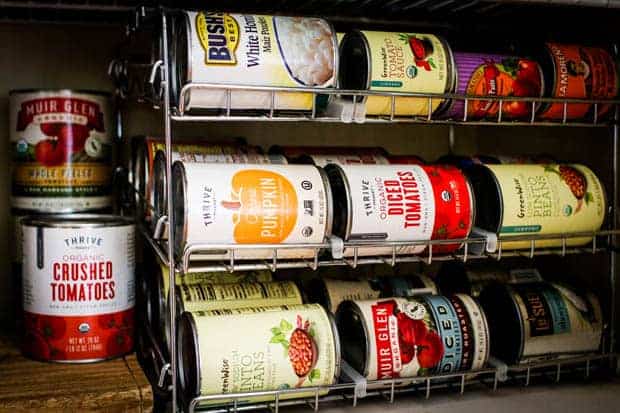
<point>180,222</point>
<point>337,350</point>
<point>60,90</point>
<point>191,390</point>
<point>158,194</point>
<point>354,307</point>
<point>77,221</point>
<point>329,219</point>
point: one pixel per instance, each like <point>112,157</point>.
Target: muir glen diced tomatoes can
<point>78,287</point>
<point>62,150</point>
<point>250,204</point>
<point>400,203</point>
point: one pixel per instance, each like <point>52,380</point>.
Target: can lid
<point>179,212</point>
<point>77,221</point>
<point>341,222</point>
<point>188,357</point>
<point>354,337</point>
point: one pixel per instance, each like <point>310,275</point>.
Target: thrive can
<point>257,349</point>
<point>253,50</point>
<point>515,200</point>
<point>250,204</point>
<point>62,150</point>
<point>397,62</point>
<point>400,203</point>
<point>78,287</point>
<point>537,321</point>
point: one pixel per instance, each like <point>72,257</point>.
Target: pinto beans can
<point>515,200</point>
<point>537,321</point>
<point>258,50</point>
<point>62,150</point>
<point>400,203</point>
<point>250,204</point>
<point>397,62</point>
<point>78,287</point>
<point>253,350</point>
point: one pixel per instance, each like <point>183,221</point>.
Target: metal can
<point>408,286</point>
<point>250,204</point>
<point>575,71</point>
<point>400,203</point>
<point>538,321</point>
<point>484,74</point>
<point>252,50</point>
<point>397,62</point>
<point>293,347</point>
<point>406,160</point>
<point>324,155</point>
<point>513,200</point>
<point>78,287</point>
<point>330,292</point>
<point>62,150</point>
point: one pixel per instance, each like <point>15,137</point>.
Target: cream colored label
<point>266,351</point>
<point>339,291</point>
<point>406,62</point>
<point>479,333</point>
<point>549,199</point>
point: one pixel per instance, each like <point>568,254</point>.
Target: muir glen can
<point>250,204</point>
<point>247,350</point>
<point>78,287</point>
<point>62,150</point>
<point>378,203</point>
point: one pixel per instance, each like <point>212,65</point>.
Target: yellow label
<point>407,62</point>
<point>68,175</point>
<point>266,351</point>
<point>549,199</point>
<point>219,37</point>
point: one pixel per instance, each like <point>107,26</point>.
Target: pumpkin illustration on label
<point>576,182</point>
<point>264,206</point>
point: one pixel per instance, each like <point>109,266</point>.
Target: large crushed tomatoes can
<point>250,204</point>
<point>78,287</point>
<point>400,203</point>
<point>483,74</point>
<point>397,62</point>
<point>62,150</point>
<point>518,200</point>
<point>538,321</point>
<point>574,71</point>
<point>253,350</point>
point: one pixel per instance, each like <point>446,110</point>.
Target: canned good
<point>538,321</point>
<point>574,71</point>
<point>250,204</point>
<point>408,286</point>
<point>515,200</point>
<point>323,155</point>
<point>294,347</point>
<point>62,150</point>
<point>400,203</point>
<point>330,293</point>
<point>406,160</point>
<point>397,62</point>
<point>253,50</point>
<point>78,287</point>
<point>465,161</point>
<point>400,338</point>
<point>484,74</point>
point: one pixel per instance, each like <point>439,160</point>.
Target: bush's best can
<point>248,204</point>
<point>252,350</point>
<point>78,287</point>
<point>62,150</point>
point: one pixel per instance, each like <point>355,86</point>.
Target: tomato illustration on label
<point>422,50</point>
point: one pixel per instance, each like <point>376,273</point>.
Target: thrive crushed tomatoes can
<point>78,287</point>
<point>62,150</point>
<point>400,203</point>
<point>257,349</point>
<point>399,337</point>
<point>254,50</point>
<point>538,321</point>
<point>515,200</point>
<point>249,204</point>
<point>483,74</point>
<point>330,293</point>
<point>397,62</point>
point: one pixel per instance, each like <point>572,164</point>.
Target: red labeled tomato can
<point>400,203</point>
<point>78,287</point>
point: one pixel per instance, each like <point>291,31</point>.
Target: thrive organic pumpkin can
<point>252,350</point>
<point>78,287</point>
<point>250,204</point>
<point>375,203</point>
<point>62,150</point>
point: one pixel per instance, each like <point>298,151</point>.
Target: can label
<point>260,50</point>
<point>549,199</point>
<point>289,349</point>
<point>448,325</point>
<point>348,159</point>
<point>78,292</point>
<point>474,330</point>
<point>62,149</point>
<point>339,291</point>
<point>407,62</point>
<point>417,284</point>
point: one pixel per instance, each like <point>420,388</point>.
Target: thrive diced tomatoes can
<point>400,203</point>
<point>250,350</point>
<point>78,287</point>
<point>62,150</point>
<point>250,204</point>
